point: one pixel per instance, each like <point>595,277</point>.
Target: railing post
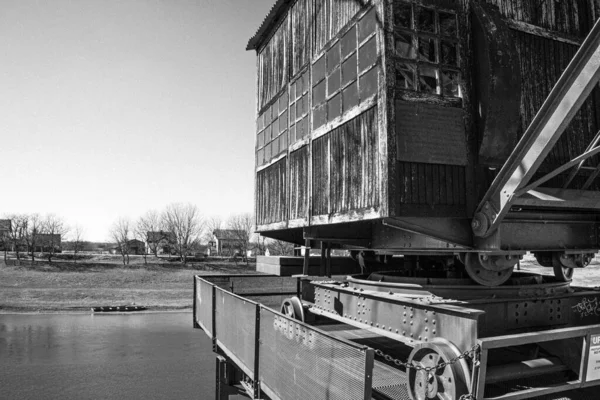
<point>369,363</point>
<point>214,318</point>
<point>257,354</point>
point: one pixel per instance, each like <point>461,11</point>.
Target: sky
<point>111,108</point>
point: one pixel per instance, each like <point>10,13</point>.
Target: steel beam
<point>565,100</point>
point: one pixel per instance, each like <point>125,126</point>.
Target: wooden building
<point>381,124</point>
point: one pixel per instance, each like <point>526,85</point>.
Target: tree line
<point>26,233</point>
<point>187,229</point>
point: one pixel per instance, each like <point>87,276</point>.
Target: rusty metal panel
<point>204,305</point>
<point>235,319</point>
<point>345,167</point>
<point>430,134</point>
<point>271,194</point>
<point>300,362</point>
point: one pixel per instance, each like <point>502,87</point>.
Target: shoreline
<point>62,311</point>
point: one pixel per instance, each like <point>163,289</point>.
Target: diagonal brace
<point>572,89</point>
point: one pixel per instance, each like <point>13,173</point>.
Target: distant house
<point>4,231</point>
<point>47,242</point>
<point>227,241</point>
<point>163,241</point>
<point>136,247</point>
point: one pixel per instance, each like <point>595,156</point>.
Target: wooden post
<point>306,256</point>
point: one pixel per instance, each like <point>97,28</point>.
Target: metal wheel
<point>563,274</point>
<point>292,308</point>
<point>482,275</point>
<point>445,383</point>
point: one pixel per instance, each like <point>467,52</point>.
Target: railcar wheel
<point>483,276</point>
<point>447,382</point>
<point>563,274</point>
<point>292,308</point>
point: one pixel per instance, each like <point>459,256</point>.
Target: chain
<point>468,353</point>
<point>472,353</point>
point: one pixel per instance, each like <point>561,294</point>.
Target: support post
<point>220,367</point>
<point>328,258</point>
<point>306,256</point>
<point>323,259</point>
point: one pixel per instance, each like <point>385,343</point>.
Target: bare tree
<point>32,233</point>
<point>213,224</point>
<point>187,225</point>
<point>281,248</point>
<point>78,241</point>
<point>17,232</point>
<point>147,228</point>
<point>242,226</point>
<point>53,229</point>
<point>120,233</point>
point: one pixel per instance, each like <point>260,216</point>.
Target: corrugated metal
<point>573,17</point>
<point>542,62</point>
<point>431,184</point>
<point>273,65</point>
<point>299,183</point>
<point>204,305</point>
<point>345,167</point>
<point>271,194</point>
<point>297,362</point>
<point>236,327</point>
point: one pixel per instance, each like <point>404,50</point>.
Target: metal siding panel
<point>298,362</point>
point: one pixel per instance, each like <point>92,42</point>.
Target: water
<point>132,356</point>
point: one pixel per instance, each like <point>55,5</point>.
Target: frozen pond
<point>85,356</point>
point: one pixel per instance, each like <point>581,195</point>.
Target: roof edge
<point>272,18</point>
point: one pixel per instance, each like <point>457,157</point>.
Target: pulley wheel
<point>561,273</point>
<point>443,382</point>
<point>484,276</point>
<point>292,308</point>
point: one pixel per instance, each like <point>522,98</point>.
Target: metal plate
<point>430,134</point>
<point>298,362</point>
<point>236,328</point>
<point>204,305</point>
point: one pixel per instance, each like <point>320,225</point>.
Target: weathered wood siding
<point>542,62</point>
<point>431,184</point>
<point>273,65</point>
<point>429,111</point>
<point>330,16</point>
<point>546,34</point>
<point>345,167</point>
<point>271,194</point>
<point>299,183</point>
<point>573,17</point>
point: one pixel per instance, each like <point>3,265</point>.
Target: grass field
<point>103,281</point>
<point>159,285</point>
